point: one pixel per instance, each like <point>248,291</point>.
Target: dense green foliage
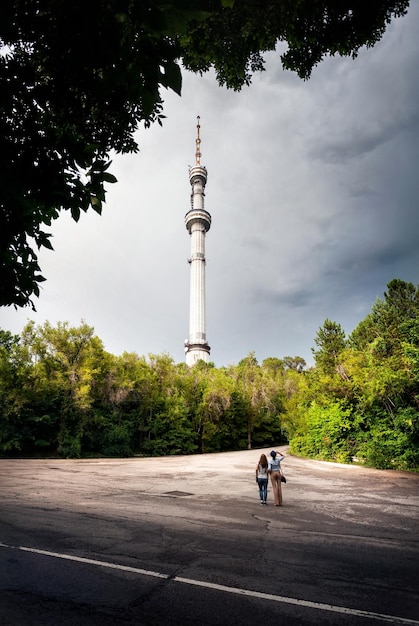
<point>78,78</point>
<point>362,397</point>
<point>62,394</point>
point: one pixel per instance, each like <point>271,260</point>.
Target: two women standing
<point>270,468</point>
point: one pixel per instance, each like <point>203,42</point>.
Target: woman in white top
<point>262,478</point>
<point>274,470</point>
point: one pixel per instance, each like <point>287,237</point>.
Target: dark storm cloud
<point>365,140</point>
<point>292,297</point>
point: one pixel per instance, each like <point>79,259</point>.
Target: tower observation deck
<point>198,222</point>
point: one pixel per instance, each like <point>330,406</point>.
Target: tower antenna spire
<point>198,142</point>
<point>197,222</point>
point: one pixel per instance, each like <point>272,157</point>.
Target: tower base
<point>196,352</point>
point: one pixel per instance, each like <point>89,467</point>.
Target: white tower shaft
<point>198,222</point>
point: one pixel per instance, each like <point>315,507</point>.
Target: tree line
<point>62,394</point>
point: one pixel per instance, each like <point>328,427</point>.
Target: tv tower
<point>198,222</point>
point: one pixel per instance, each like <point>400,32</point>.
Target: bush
<point>327,433</point>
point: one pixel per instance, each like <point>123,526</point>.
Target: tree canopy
<point>362,398</point>
<point>77,78</point>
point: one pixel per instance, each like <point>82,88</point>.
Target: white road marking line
<point>306,603</point>
<point>236,590</point>
<point>80,559</point>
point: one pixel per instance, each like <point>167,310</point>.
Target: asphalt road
<point>185,541</point>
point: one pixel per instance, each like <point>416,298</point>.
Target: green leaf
<point>96,204</point>
<point>43,240</point>
<point>109,178</point>
<point>75,213</point>
<point>173,77</point>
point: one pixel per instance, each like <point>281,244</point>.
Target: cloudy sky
<point>313,190</point>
